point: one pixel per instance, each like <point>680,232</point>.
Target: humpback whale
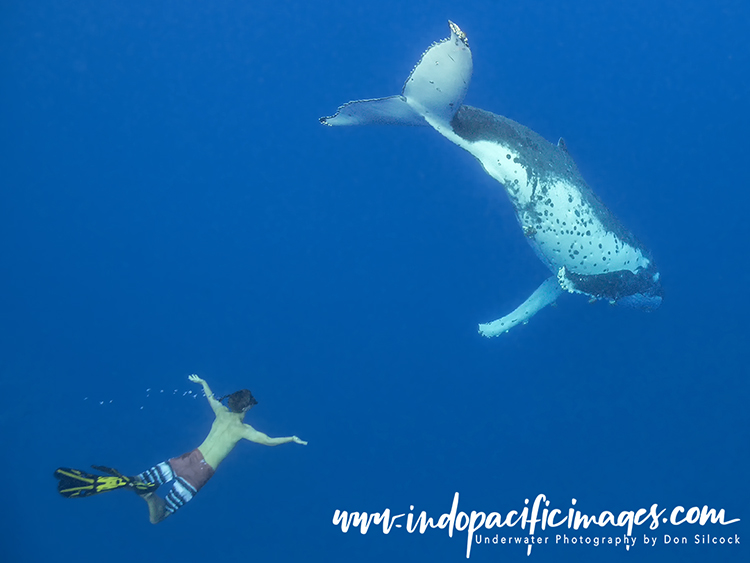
<point>573,233</point>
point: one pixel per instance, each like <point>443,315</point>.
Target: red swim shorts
<point>193,468</point>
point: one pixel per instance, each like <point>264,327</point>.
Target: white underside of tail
<point>435,89</point>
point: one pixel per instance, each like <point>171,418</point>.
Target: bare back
<point>226,431</point>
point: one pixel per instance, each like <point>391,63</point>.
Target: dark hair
<point>240,401</point>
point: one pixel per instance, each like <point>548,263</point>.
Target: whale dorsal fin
<point>561,145</point>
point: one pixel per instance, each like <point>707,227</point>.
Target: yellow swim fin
<point>73,483</point>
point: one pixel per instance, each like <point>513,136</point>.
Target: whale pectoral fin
<point>546,294</point>
<point>393,110</point>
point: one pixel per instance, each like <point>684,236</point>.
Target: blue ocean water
<point>171,205</point>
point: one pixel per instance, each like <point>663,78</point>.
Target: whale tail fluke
<point>432,94</point>
<point>393,110</point>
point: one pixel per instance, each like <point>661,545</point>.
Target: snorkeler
<point>189,472</point>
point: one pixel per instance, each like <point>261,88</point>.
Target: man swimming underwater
<point>189,472</point>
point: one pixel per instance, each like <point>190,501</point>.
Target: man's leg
<point>156,508</point>
<point>158,474</point>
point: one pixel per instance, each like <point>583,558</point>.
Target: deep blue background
<point>169,204</point>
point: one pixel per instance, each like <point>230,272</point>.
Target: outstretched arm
<point>259,438</point>
<point>216,406</point>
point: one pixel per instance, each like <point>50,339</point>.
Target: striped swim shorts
<point>188,472</point>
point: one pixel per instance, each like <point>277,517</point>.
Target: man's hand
<point>215,405</point>
<point>298,441</point>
